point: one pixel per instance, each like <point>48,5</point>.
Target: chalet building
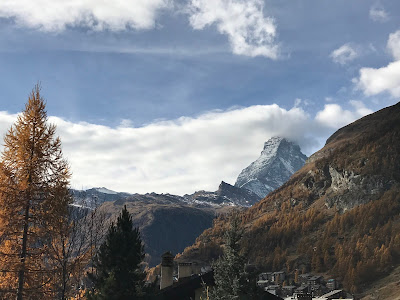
<point>273,289</point>
<point>314,280</point>
<point>278,277</point>
<point>189,289</point>
<point>302,289</point>
<point>288,290</point>
<point>263,283</point>
<point>303,278</point>
<point>265,276</point>
<point>191,283</point>
<point>316,289</point>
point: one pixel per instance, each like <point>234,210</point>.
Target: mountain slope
<point>338,215</point>
<point>278,161</point>
<point>167,222</point>
<point>165,225</point>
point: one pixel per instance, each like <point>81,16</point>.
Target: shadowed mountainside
<point>165,223</point>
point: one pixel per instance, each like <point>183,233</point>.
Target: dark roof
<point>185,289</point>
<point>269,296</point>
<point>275,286</point>
<point>315,278</point>
<point>289,287</point>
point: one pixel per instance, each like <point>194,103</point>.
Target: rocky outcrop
<point>348,190</point>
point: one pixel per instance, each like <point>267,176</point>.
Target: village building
<point>273,289</point>
<point>278,277</point>
<point>303,278</point>
<point>288,290</point>
<point>191,283</point>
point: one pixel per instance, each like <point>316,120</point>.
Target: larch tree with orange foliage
<point>34,179</point>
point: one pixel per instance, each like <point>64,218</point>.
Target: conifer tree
<point>118,274</point>
<point>33,173</point>
<point>229,268</point>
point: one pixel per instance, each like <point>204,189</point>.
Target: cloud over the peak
<point>344,54</point>
<point>56,15</point>
<point>374,81</point>
<point>250,33</point>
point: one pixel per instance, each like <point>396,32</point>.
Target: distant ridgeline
<point>339,214</point>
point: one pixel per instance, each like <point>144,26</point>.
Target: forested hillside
<point>339,214</point>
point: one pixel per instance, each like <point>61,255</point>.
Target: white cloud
<point>56,15</point>
<point>378,14</point>
<point>344,54</point>
<point>187,154</point>
<point>250,32</point>
<point>386,79</point>
<point>393,45</point>
<point>360,110</point>
<point>334,116</point>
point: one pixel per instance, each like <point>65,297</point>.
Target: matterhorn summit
<point>279,160</point>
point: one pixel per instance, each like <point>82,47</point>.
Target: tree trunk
<point>21,273</point>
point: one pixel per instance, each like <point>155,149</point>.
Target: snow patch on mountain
<point>279,160</point>
<point>105,191</point>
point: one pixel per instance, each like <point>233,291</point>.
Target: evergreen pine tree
<point>229,272</point>
<point>118,274</point>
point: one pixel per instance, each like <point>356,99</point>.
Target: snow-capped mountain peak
<point>279,159</point>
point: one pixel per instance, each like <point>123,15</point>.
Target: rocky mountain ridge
<point>279,160</point>
<point>226,195</point>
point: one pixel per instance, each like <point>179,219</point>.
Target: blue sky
<point>199,84</point>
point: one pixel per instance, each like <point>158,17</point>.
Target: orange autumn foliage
<point>34,180</point>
